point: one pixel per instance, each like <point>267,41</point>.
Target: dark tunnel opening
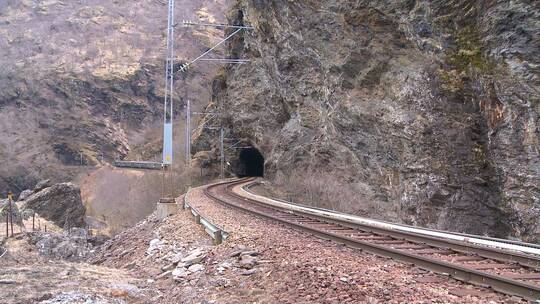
<point>252,162</point>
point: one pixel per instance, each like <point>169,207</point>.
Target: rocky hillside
<point>81,82</point>
<point>430,106</point>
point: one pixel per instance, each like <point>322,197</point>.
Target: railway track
<point>509,272</point>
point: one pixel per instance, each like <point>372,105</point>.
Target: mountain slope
<point>82,83</point>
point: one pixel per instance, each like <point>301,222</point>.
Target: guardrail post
<point>218,237</point>
<point>198,219</point>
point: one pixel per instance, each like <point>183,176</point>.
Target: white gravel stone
<point>196,268</point>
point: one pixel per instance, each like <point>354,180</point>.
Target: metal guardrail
<point>138,164</point>
<point>217,233</point>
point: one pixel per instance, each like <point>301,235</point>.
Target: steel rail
<point>486,252</point>
<point>470,275</point>
<point>247,188</point>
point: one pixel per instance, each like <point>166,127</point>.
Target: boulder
<point>194,257</point>
<point>179,274</point>
<point>42,185</point>
<point>196,268</point>
<point>156,245</point>
<point>25,194</point>
<point>164,274</point>
<point>248,261</point>
<point>98,240</point>
<point>74,297</point>
<point>249,272</point>
<point>60,203</point>
<point>168,267</point>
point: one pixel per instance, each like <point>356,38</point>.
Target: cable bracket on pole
<point>184,67</point>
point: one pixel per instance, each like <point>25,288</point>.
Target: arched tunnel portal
<point>251,163</point>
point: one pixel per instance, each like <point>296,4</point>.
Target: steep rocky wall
<point>432,105</point>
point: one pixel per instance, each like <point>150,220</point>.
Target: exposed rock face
<point>60,203</point>
<point>432,105</point>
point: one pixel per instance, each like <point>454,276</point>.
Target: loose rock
<point>155,245</point>
<point>179,274</point>
<point>194,257</point>
<point>65,245</point>
<point>247,261</point>
<point>196,268</point>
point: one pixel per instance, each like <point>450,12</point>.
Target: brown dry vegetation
<point>117,198</point>
<point>319,188</point>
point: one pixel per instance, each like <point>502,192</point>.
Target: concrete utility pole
<point>169,90</point>
<point>167,157</point>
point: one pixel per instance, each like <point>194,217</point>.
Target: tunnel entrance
<point>252,162</point>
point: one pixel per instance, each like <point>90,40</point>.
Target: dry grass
<point>117,198</point>
<point>320,189</point>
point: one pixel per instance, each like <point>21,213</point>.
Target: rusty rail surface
<point>248,187</point>
<point>507,272</point>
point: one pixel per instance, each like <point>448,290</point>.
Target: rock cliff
<point>432,106</point>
